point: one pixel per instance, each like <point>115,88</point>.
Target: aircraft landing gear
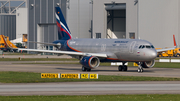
<point>123,67</point>
<point>140,68</point>
<point>85,69</point>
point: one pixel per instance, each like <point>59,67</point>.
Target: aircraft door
<point>131,48</point>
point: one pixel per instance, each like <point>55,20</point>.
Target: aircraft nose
<point>153,54</point>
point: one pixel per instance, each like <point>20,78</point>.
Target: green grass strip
<point>167,65</point>
<point>122,97</point>
<point>29,77</point>
<point>38,59</point>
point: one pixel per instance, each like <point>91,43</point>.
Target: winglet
<point>175,44</point>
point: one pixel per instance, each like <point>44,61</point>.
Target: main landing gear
<point>123,67</point>
<point>85,69</point>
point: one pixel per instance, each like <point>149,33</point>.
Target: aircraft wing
<point>166,49</point>
<point>44,43</point>
<point>163,50</point>
<point>67,52</point>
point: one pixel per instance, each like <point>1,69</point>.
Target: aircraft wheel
<point>120,68</point>
<point>125,68</point>
<point>140,70</point>
<point>84,68</point>
<point>88,69</point>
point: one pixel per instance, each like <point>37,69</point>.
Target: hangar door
<point>116,20</point>
<point>46,33</point>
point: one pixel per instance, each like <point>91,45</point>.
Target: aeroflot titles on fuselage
<point>121,41</point>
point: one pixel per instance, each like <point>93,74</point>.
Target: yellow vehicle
<point>177,52</point>
<point>5,44</point>
<point>169,53</point>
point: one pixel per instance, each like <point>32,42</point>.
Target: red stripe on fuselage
<point>72,48</point>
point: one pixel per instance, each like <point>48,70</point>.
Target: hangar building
<point>152,20</point>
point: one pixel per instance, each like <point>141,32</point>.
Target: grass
<point>38,59</point>
<point>167,65</point>
<point>122,97</point>
<point>29,77</point>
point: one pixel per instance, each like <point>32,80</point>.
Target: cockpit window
<point>152,46</point>
<point>145,46</point>
<point>140,46</point>
<point>148,46</point>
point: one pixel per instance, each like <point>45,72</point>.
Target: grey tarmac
<point>76,68</point>
<point>91,88</point>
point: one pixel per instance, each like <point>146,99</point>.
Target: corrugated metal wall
<point>41,15</point>
<point>8,26</point>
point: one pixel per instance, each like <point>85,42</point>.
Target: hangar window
<point>98,35</point>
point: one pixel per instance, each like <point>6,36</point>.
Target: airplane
<point>91,52</point>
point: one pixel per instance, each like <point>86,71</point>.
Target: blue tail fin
<point>63,30</point>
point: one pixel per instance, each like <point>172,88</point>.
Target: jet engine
<point>148,64</point>
<point>90,62</point>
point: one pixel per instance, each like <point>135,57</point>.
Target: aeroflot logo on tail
<point>121,42</point>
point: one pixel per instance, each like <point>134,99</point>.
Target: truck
<point>169,53</point>
<point>5,44</point>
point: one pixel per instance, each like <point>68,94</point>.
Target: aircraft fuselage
<point>128,50</point>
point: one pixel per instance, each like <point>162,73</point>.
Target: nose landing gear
<point>140,68</point>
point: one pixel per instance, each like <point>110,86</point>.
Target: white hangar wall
<point>158,21</point>
<point>79,17</point>
<point>21,25</point>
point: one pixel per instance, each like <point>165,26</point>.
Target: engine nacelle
<point>148,64</point>
<point>90,62</point>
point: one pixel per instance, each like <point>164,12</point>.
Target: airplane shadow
<point>96,70</point>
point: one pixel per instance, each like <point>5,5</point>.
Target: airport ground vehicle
<point>169,53</point>
<point>5,44</point>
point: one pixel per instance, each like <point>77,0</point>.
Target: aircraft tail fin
<point>63,30</point>
<point>175,43</point>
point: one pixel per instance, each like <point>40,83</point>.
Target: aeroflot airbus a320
<point>91,52</point>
